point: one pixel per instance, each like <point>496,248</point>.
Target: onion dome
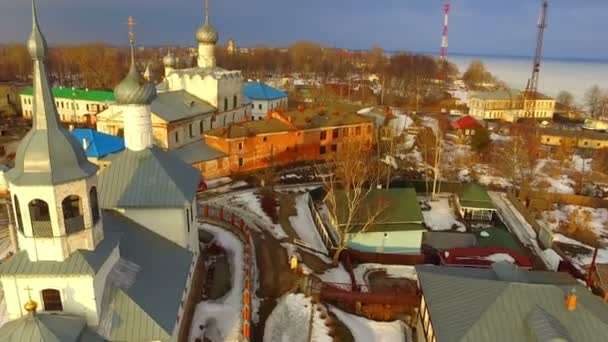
<point>134,89</point>
<point>206,34</point>
<point>30,306</point>
<point>169,60</point>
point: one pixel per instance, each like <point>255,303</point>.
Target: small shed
<point>474,204</point>
<point>398,228</point>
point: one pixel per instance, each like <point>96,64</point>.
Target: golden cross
<point>29,291</point>
<point>131,23</point>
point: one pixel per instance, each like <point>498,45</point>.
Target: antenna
<point>444,34</point>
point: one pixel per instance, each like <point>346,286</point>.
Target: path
<point>518,225</point>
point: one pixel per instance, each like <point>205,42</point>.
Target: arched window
<point>52,300</point>
<point>18,213</point>
<point>234,101</point>
<point>225,104</point>
<point>72,214</point>
<point>41,218</point>
<point>202,126</point>
<point>94,204</point>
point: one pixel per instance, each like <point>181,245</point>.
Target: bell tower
<point>53,185</point>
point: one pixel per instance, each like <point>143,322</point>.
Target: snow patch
<point>365,330</point>
<point>289,321</point>
<point>441,216</point>
<point>304,225</point>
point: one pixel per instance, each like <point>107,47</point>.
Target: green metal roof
<point>473,195</point>
<point>150,178</point>
<point>400,209</point>
<point>81,262</point>
<point>47,328</point>
<point>196,152</point>
<point>147,309</point>
<point>480,305</point>
<point>77,94</point>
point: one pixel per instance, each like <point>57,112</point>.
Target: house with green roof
<point>74,105</point>
<point>505,304</point>
<point>398,228</point>
<point>474,203</point>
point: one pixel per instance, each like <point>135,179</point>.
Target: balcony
<point>74,224</point>
<point>42,229</point>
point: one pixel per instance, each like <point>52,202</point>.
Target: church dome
<point>134,89</point>
<point>169,60</point>
<point>206,34</point>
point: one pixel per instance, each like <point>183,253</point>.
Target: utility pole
<point>437,159</point>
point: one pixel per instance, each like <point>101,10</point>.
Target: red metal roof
<point>465,122</point>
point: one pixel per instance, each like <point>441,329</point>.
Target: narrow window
<point>234,101</point>
<point>335,133</point>
<point>202,126</point>
<point>225,104</point>
<point>322,150</point>
<point>241,162</point>
<point>188,219</point>
<point>323,135</point>
<point>18,213</point>
<point>190,130</point>
<point>52,300</point>
<point>176,136</point>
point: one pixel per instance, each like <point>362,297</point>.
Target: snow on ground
<point>214,183</point>
<point>365,330</point>
<point>499,138</point>
<point>497,257</point>
<point>583,259</point>
<point>223,317</point>
<point>598,218</point>
<point>336,275</point>
<point>249,201</point>
<point>441,216</point>
<point>464,175</point>
<point>580,164</point>
<point>556,178</point>
<point>393,271</point>
<point>289,321</point>
<point>413,157</point>
<point>305,226</point>
<point>494,180</point>
<point>553,258</point>
<point>560,185</point>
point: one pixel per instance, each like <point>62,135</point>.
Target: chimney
<point>571,300</point>
<point>85,143</point>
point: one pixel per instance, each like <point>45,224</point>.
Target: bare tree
<point>565,98</point>
<point>348,183</point>
<point>514,160</point>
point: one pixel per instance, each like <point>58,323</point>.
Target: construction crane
<point>532,86</point>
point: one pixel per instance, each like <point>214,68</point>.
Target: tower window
<point>188,219</point>
<point>72,214</point>
<point>41,218</point>
<point>18,214</point>
<point>94,204</point>
<point>176,136</point>
<point>234,101</point>
<point>190,130</point>
<point>225,104</point>
<point>202,126</point>
<point>52,300</point>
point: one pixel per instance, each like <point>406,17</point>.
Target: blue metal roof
<point>100,144</point>
<point>261,91</point>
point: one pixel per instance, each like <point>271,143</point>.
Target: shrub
<point>269,205</point>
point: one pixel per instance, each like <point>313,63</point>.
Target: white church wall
<point>169,223</point>
<point>77,295</point>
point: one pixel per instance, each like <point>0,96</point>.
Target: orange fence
<point>243,231</point>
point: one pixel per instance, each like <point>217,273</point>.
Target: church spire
<point>206,11</point>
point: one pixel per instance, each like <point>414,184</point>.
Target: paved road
<point>517,224</point>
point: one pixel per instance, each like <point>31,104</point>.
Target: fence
<point>243,232</point>
<point>326,236</point>
<point>544,235</point>
<point>382,258</point>
<point>566,199</point>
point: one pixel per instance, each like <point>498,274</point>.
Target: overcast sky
<point>576,28</point>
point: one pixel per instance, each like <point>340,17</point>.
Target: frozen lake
<point>555,75</point>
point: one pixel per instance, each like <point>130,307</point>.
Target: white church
<point>106,257</point>
<point>190,101</point>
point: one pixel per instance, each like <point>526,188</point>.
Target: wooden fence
<point>543,234</point>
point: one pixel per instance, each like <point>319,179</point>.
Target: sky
<point>576,28</point>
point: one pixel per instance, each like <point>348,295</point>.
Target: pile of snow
<point>223,318</point>
<point>561,185</point>
<point>364,330</point>
<point>392,271</point>
<point>291,176</point>
<point>484,234</point>
<point>214,183</point>
<point>289,321</point>
<point>498,257</point>
<point>464,175</point>
<point>441,216</point>
<point>390,160</point>
<point>555,218</point>
<point>580,164</point>
<point>552,258</point>
<point>499,138</point>
<point>494,180</point>
<point>249,201</point>
<point>305,226</point>
<point>336,275</point>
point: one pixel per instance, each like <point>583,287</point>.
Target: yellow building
<point>574,139</point>
<point>510,105</point>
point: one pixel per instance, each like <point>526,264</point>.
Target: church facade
<point>93,260</point>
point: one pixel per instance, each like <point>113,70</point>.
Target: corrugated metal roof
<point>196,152</point>
<point>545,327</point>
<point>147,309</point>
<point>262,91</point>
<point>45,328</point>
<point>150,178</point>
<point>99,144</point>
<point>473,305</point>
<point>473,195</point>
<point>81,262</point>
<point>178,105</point>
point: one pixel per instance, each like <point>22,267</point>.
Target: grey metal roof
<point>146,309</point>
<point>47,328</point>
<point>545,327</point>
<point>81,262</point>
<point>474,308</point>
<point>150,178</point>
<point>197,151</point>
<point>179,105</point>
<point>48,154</point>
<point>448,240</point>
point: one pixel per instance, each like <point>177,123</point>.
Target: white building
<point>264,99</point>
<point>102,268</point>
<point>509,105</point>
<point>73,105</point>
